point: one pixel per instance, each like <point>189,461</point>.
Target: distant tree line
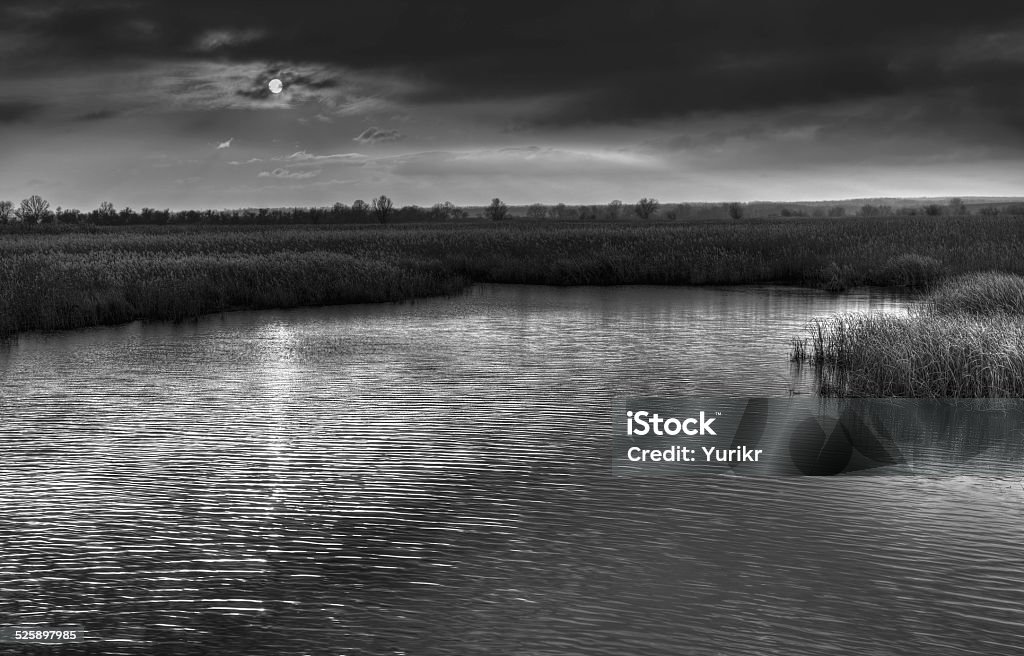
<point>380,210</point>
<point>35,209</point>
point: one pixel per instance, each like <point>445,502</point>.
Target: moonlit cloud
<point>376,135</point>
<point>302,158</point>
<point>214,39</point>
<point>289,175</point>
<point>158,87</point>
<point>533,160</point>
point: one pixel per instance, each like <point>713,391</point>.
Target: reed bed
<point>964,339</point>
<point>55,277</point>
<point>46,291</point>
<point>982,294</point>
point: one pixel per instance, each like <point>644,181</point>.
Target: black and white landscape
<point>315,321</point>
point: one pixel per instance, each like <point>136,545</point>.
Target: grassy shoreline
<point>60,277</point>
<point>964,339</point>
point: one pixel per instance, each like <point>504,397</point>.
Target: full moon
<point>276,86</point>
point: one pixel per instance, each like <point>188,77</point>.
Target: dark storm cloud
<point>99,115</point>
<point>16,112</point>
<point>610,62</point>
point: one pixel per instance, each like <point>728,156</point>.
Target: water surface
<point>433,478</point>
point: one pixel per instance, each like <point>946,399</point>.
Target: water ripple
<point>433,478</point>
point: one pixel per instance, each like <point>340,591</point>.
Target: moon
<point>276,86</point>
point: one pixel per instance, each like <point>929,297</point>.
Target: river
<point>432,477</point>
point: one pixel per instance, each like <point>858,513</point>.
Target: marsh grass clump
<point>965,339</point>
<point>837,278</point>
<point>918,356</point>
<point>982,294</point>
<point>800,351</point>
<point>912,270</point>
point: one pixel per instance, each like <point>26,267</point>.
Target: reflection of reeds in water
<point>951,436</point>
<point>965,339</point>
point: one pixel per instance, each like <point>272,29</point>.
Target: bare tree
<point>6,211</point>
<point>34,209</point>
<point>382,207</point>
<point>614,210</point>
<point>448,211</point>
<point>443,211</point>
<point>565,212</point>
<point>106,209</point>
<point>536,211</point>
<point>497,210</point>
<point>360,208</point>
<point>736,210</point>
<point>645,207</point>
<point>587,212</point>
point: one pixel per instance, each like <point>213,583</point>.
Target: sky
<point>167,105</point>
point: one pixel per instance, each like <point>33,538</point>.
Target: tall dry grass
<point>965,339</point>
<point>64,276</point>
<point>50,291</point>
<point>982,294</point>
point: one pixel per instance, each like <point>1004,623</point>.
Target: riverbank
<point>68,277</point>
<point>965,339</point>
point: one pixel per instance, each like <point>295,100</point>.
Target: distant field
<point>54,277</point>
